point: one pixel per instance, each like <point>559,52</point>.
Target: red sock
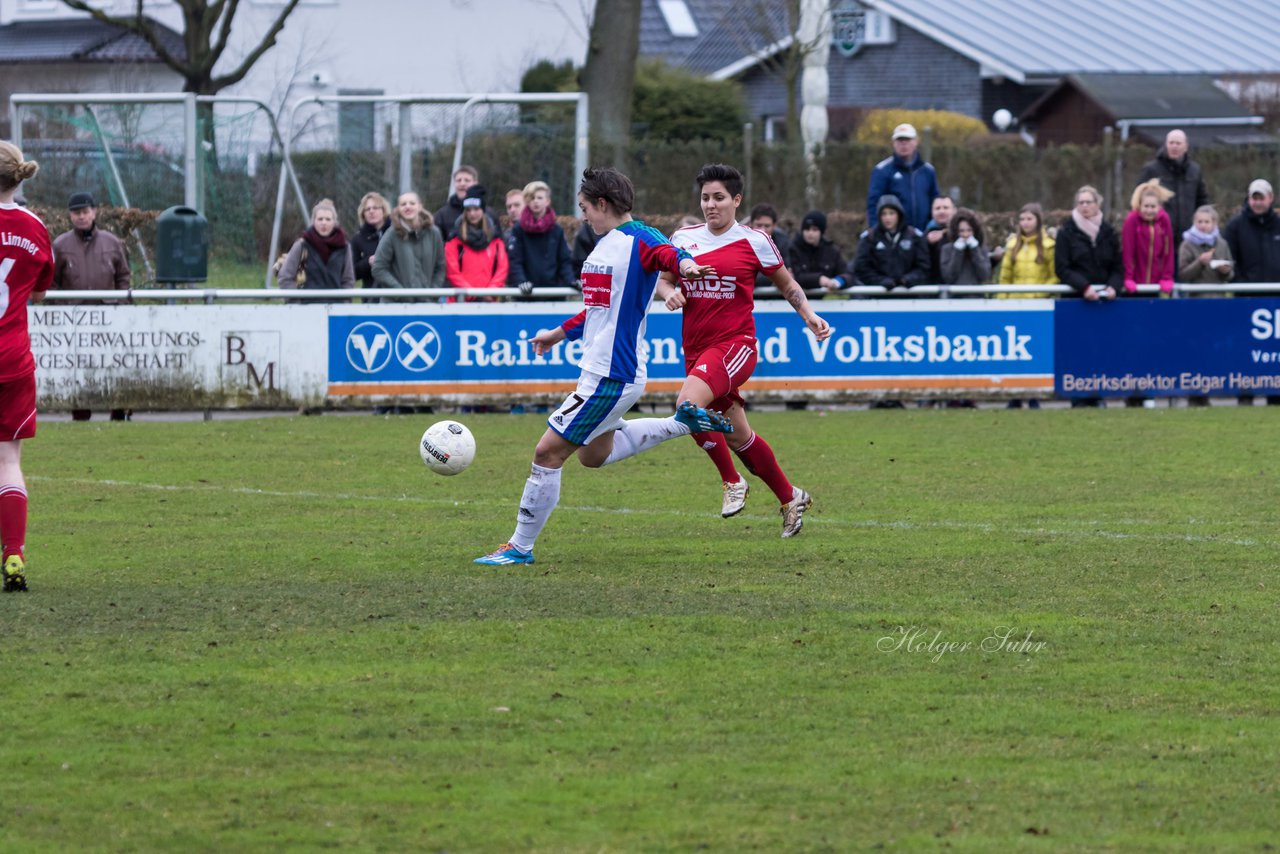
<point>718,449</point>
<point>758,457</point>
<point>13,519</point>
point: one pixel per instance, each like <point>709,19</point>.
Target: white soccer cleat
<point>793,512</point>
<point>735,497</point>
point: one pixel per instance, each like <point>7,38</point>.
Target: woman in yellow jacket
<point>1028,260</point>
<point>1028,256</point>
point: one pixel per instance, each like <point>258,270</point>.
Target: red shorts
<point>18,408</point>
<point>725,367</point>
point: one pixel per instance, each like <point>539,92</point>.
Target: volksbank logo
<point>875,344</point>
<point>370,346</point>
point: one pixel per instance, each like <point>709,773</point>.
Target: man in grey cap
<point>1254,236</point>
<point>89,259</point>
<point>908,177</point>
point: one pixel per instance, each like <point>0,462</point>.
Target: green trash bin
<point>182,246</point>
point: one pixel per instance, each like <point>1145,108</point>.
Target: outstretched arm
<point>794,294</point>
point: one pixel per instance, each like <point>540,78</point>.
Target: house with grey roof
<point>969,56</point>
<point>1142,107</point>
<point>81,55</point>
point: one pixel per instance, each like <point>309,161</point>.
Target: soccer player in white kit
<point>26,271</point>
<point>618,282</point>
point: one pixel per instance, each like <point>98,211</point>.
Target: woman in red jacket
<point>1148,239</point>
<point>476,256</point>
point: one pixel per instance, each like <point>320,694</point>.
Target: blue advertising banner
<point>882,345</point>
<point>1167,348</point>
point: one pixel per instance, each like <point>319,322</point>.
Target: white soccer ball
<point>447,447</point>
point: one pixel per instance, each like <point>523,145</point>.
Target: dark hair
<point>764,209</point>
<point>608,184</point>
<point>727,175</point>
<point>966,215</point>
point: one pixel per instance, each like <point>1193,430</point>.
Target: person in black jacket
<point>540,253</point>
<point>1254,236</point>
<point>583,242</point>
<point>893,254</point>
<point>464,178</point>
<point>1087,256</point>
<point>813,259</point>
<point>1180,174</point>
<point>375,218</point>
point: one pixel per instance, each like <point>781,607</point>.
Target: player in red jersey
<point>26,271</point>
<point>720,336</point>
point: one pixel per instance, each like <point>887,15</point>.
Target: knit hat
<point>814,219</point>
<point>475,197</point>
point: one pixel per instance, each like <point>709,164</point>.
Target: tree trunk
<point>610,74</point>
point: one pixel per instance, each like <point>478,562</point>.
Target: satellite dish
<point>1002,119</point>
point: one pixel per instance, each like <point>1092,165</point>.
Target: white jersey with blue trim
<point>618,281</point>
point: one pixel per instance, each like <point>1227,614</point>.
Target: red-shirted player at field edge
<point>720,336</point>
<point>26,270</point>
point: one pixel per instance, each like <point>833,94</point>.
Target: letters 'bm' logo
<point>368,347</point>
<point>417,346</point>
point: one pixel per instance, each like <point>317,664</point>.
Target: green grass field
<point>999,630</point>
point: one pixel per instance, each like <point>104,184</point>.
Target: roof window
<point>678,17</point>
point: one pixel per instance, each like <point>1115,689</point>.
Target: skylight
<point>678,17</point>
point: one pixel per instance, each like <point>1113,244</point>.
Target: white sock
<point>541,495</point>
<point>640,434</point>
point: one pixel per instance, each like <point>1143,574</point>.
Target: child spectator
<point>475,257</point>
<point>1204,257</point>
<point>1147,239</point>
<point>1028,254</point>
<point>813,259</point>
<point>963,259</point>
<point>374,215</point>
<point>539,251</point>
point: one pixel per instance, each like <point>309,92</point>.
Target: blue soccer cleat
<point>701,420</point>
<point>504,555</point>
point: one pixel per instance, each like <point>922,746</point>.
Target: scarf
<point>540,225</point>
<point>1199,238</point>
<point>1090,227</point>
<point>325,246</point>
<point>474,236</point>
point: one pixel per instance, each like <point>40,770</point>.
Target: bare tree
<point>609,75</point>
<point>771,31</point>
<point>206,29</point>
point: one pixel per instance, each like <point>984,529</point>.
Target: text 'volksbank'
<point>870,344</point>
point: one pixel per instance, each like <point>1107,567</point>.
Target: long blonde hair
<point>13,168</point>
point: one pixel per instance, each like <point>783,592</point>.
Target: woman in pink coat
<point>1148,239</point>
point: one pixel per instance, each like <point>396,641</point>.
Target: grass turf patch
<point>1000,629</point>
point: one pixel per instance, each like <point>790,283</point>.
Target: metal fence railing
<point>428,295</point>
